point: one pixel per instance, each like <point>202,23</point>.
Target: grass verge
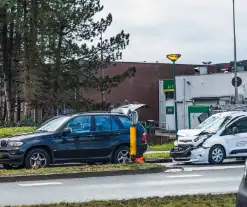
<point>78,169</point>
<point>157,155</point>
<point>163,147</point>
<point>10,131</point>
<point>227,200</point>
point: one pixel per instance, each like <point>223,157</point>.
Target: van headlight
<point>176,143</point>
<point>202,137</point>
<point>15,144</point>
<point>245,169</point>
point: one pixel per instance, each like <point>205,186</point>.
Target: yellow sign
<point>173,57</point>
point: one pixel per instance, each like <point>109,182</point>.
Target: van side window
<point>241,125</point>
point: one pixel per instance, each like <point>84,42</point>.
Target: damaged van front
<point>190,149</point>
<point>212,145</point>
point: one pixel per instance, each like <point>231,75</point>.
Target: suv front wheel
<point>37,158</point>
<point>122,155</point>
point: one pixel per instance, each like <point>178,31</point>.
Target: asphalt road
<point>223,179</point>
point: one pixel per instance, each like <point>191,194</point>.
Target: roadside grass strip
<point>79,169</point>
<point>157,155</point>
<point>163,147</point>
<point>227,200</point>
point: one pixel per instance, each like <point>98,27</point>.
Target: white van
<point>225,137</point>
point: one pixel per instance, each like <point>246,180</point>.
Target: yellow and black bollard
<point>133,141</point>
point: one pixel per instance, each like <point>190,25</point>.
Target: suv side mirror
<point>234,130</point>
<point>66,131</point>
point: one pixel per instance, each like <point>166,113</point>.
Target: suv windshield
<point>208,122</point>
<point>53,125</point>
<point>218,124</point>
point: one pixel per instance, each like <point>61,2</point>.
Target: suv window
<point>105,123</point>
<point>102,123</point>
<point>114,124</point>
<point>80,124</point>
<point>125,121</point>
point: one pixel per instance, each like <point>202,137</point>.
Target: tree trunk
<point>6,46</point>
<point>27,88</point>
<point>18,86</point>
<point>57,72</point>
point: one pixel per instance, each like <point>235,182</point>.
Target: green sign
<point>170,110</point>
<point>168,85</point>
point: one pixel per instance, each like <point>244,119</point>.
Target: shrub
<point>10,131</point>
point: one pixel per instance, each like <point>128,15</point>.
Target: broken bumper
<point>189,154</point>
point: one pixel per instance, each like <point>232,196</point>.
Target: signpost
<point>239,81</point>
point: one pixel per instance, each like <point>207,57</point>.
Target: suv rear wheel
<point>37,158</point>
<point>122,155</point>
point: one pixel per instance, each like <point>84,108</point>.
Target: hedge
<point>10,131</point>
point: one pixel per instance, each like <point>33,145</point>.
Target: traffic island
<point>227,200</point>
<point>83,171</point>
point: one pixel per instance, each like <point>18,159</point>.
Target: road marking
<point>200,168</point>
<point>213,168</point>
<point>183,176</point>
<point>39,184</point>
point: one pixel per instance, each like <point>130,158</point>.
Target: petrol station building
<point>195,95</point>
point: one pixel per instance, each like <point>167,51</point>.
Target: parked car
<point>226,137</point>
<point>242,191</point>
<point>88,137</point>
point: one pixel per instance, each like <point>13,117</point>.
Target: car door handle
<point>90,135</point>
<point>117,133</point>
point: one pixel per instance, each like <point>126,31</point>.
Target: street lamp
<point>235,54</point>
<point>207,63</point>
<point>174,58</point>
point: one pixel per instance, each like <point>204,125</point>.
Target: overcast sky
<point>201,30</point>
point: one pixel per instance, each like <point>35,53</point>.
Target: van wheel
<point>122,155</point>
<point>37,158</point>
<point>216,155</point>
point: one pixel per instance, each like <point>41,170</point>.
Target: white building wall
<point>219,84</point>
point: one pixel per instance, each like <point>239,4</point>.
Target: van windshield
<point>218,124</point>
<point>208,121</point>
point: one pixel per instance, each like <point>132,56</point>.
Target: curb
<point>160,160</point>
<point>80,175</point>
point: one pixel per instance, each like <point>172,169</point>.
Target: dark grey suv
<point>88,137</point>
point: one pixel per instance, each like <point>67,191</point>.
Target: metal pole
<point>175,98</point>
<point>235,53</point>
<point>102,69</point>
